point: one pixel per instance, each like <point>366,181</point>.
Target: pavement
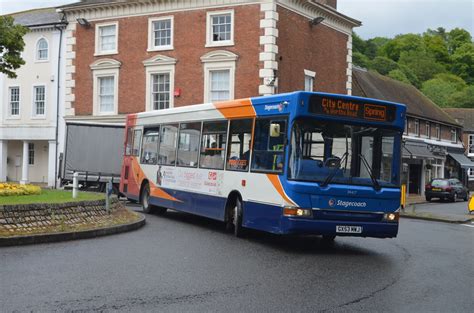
<point>437,210</point>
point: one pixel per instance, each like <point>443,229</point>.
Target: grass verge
<point>51,196</point>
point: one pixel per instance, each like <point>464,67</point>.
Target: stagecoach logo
<point>278,107</point>
<point>332,203</point>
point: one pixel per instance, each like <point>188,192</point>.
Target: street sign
<point>470,205</point>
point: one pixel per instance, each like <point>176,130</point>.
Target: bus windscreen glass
<point>358,109</point>
<point>342,153</point>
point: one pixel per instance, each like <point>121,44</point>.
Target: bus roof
<point>248,107</point>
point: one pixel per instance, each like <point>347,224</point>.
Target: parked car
<point>446,189</point>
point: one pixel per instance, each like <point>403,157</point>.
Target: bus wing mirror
<point>274,130</point>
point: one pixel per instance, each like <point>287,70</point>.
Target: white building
<point>31,124</point>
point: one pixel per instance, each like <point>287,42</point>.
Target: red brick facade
<point>319,48</point>
<point>445,130</point>
<point>189,46</point>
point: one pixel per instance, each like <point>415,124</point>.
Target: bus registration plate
<point>349,229</point>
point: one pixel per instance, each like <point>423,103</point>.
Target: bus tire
<point>145,200</point>
<point>237,218</point>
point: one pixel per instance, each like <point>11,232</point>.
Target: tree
<point>360,59</point>
<point>456,38</point>
<point>437,46</point>
<point>462,99</point>
<point>383,65</point>
<point>403,43</point>
<point>423,64</point>
<point>414,80</point>
<point>463,62</point>
<point>442,87</point>
<point>374,46</point>
<point>399,75</point>
<point>358,44</point>
<point>11,45</point>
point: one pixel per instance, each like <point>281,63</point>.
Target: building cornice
<point>118,9</point>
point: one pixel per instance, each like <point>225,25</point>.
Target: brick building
<point>131,56</point>
<point>432,138</point>
<point>465,117</point>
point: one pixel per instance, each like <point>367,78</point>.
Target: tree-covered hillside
<point>439,63</point>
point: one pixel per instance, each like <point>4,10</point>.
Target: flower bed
<point>8,189</point>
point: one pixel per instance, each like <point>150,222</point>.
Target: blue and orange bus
<point>295,163</point>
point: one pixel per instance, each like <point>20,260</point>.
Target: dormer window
<point>42,50</point>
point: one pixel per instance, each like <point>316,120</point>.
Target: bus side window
<point>137,138</point>
<point>213,145</point>
<point>167,150</point>
<point>268,150</point>
<point>238,149</point>
<point>150,146</point>
<point>188,146</point>
<point>129,141</point>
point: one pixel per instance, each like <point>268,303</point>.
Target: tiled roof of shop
<point>373,85</point>
<point>465,117</point>
<point>37,17</point>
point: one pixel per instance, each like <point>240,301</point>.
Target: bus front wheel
<point>145,200</point>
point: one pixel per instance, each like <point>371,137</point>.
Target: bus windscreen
<point>352,108</point>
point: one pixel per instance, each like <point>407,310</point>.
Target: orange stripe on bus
<point>236,108</point>
<point>277,185</point>
<point>155,191</point>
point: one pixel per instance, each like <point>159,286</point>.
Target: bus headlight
<point>391,217</point>
<point>292,211</point>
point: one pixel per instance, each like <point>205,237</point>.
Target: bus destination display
<point>351,108</point>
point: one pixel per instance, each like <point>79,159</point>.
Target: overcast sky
<point>379,17</point>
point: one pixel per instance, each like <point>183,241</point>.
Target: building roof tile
<point>36,17</point>
<point>463,116</point>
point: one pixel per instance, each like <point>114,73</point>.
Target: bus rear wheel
<point>234,221</point>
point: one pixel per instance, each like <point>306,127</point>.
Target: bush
<point>7,189</point>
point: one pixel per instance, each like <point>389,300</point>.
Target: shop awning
<point>417,151</point>
<point>462,159</point>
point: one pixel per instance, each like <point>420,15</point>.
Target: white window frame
<point>454,133</point>
<point>438,132</point>
<point>417,127</point>
<point>37,59</point>
<point>9,107</point>
<point>98,51</point>
<point>158,65</point>
<point>33,100</point>
<point>151,34</point>
<point>312,77</point>
<point>219,60</point>
<point>428,129</point>
<point>104,68</point>
<point>470,145</point>
<point>209,40</point>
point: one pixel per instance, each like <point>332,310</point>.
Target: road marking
<point>468,225</point>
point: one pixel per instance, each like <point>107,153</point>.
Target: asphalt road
<point>182,263</point>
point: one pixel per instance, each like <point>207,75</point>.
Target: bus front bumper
<point>294,225</point>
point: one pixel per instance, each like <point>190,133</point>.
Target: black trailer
<point>94,151</point>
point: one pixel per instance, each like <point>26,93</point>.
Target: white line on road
<point>468,225</point>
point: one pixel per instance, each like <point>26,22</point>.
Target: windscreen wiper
<point>334,171</point>
<point>371,174</point>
